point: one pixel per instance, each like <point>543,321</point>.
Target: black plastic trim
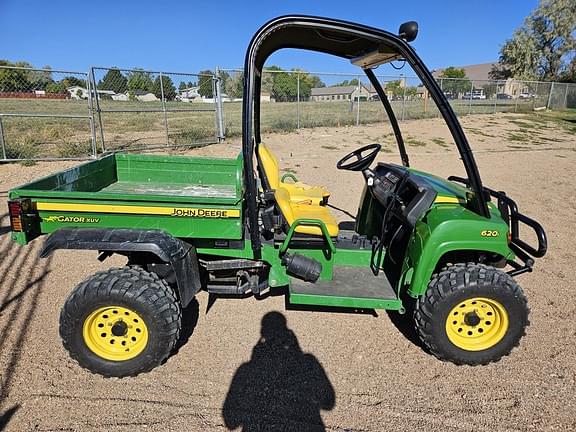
<point>180,255</point>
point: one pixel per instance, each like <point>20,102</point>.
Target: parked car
<point>527,96</point>
<point>503,96</point>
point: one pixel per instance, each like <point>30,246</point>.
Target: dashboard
<point>409,194</point>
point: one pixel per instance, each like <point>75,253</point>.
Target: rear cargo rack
<point>509,211</point>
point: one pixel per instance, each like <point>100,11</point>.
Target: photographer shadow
<point>281,387</point>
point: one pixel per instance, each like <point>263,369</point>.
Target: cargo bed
<point>184,196</point>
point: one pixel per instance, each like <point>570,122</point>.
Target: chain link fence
<point>136,109</point>
<point>296,99</point>
<point>54,114</point>
<point>42,116</point>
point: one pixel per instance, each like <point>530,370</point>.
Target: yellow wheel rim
<point>115,333</point>
<point>477,324</point>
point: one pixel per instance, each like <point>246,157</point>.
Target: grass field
<point>135,124</point>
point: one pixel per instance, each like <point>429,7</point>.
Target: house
<point>335,93</point>
<point>479,74</point>
<point>120,97</point>
<point>77,92</point>
<point>189,94</point>
<point>144,96</point>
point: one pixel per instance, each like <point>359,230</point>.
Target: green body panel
<point>347,302</point>
<point>128,191</point>
<point>450,227</point>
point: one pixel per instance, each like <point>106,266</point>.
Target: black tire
<point>456,285</point>
<point>136,290</point>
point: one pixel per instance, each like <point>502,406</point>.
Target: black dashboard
<point>409,195</point>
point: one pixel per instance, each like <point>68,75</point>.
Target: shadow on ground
<point>6,416</point>
<point>22,278</point>
<point>281,387</point>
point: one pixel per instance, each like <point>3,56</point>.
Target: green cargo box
<point>183,196</point>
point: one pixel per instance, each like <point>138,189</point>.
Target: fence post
<point>164,109</point>
<point>92,88</point>
<point>566,97</point>
<point>403,98</point>
<point>2,139</point>
<point>91,118</point>
<point>470,99</point>
<point>358,102</point>
<point>219,108</point>
<point>297,100</point>
<point>495,95</point>
<point>550,96</point>
<point>442,89</point>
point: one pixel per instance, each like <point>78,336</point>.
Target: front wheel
<point>120,322</point>
<point>471,314</point>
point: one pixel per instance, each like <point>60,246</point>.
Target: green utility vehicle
<point>444,249</point>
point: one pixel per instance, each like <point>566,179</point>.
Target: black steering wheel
<point>362,161</point>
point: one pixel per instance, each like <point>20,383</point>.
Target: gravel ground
<point>362,373</point>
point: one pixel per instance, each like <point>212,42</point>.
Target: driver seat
<point>298,192</point>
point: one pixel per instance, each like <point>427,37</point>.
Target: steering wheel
<point>362,161</point>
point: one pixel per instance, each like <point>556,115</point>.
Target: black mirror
<point>408,31</point>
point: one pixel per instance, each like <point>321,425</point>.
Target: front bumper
<point>509,211</point>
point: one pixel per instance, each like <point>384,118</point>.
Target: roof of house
<point>476,72</point>
<point>334,90</point>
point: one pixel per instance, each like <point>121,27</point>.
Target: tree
<point>14,80</point>
<point>140,80</point>
<point>113,80</point>
<point>490,89</point>
<point>459,82</point>
<point>543,47</point>
<point>167,86</point>
<point>182,86</point>
<point>59,87</point>
<point>71,81</point>
<point>235,85</point>
<point>394,87</point>
<point>352,82</point>
<point>205,84</point>
<point>39,79</point>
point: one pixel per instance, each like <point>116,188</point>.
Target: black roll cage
<point>347,40</point>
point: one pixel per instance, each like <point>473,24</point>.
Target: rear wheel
<point>471,314</point>
<point>120,322</point>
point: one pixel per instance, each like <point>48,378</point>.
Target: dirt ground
<point>368,376</point>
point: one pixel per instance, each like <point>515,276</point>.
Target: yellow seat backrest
<point>270,166</point>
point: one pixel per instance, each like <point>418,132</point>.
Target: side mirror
<point>408,31</point>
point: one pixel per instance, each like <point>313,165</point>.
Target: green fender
<point>448,228</point>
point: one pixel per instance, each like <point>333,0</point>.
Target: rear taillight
<point>18,210</point>
<point>15,211</point>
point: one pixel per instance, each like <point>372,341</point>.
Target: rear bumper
<point>525,252</point>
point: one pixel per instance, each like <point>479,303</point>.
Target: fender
<point>180,255</point>
<point>444,232</point>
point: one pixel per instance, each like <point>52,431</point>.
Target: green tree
<point>235,85</point>
<point>59,87</point>
<point>543,47</point>
<point>205,84</point>
<point>71,81</point>
<point>14,80</point>
<point>489,89</point>
<point>167,86</point>
<point>394,87</point>
<point>352,82</point>
<point>113,80</point>
<point>140,80</point>
<point>458,83</point>
<point>39,79</point>
<point>182,86</point>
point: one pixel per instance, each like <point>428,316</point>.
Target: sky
<point>189,36</point>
